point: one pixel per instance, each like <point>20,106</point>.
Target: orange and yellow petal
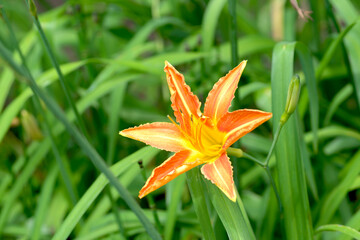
<point>220,97</point>
<point>184,103</point>
<point>174,166</point>
<point>220,173</point>
<point>162,135</point>
<point>241,122</point>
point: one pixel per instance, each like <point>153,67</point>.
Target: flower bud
<point>32,8</point>
<point>30,126</point>
<point>292,98</point>
<point>236,152</point>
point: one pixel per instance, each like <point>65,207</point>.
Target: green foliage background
<point>111,55</point>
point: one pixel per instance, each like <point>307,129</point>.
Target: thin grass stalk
<point>58,70</point>
<point>329,54</point>
<point>116,102</point>
<point>95,158</point>
<point>64,174</point>
<point>115,212</point>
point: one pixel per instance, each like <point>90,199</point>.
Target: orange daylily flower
<point>198,138</point>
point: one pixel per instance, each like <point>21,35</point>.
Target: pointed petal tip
<point>220,173</point>
<point>268,115</point>
<point>161,135</point>
<point>242,65</point>
<point>144,191</point>
<point>233,199</point>
<point>220,97</point>
<point>231,195</point>
<point>168,68</point>
<point>168,170</point>
<point>141,195</point>
<point>125,132</point>
<point>167,65</point>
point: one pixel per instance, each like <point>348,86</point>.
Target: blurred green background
<point>112,54</point>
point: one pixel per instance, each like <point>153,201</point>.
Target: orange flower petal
<point>220,97</point>
<point>220,173</point>
<point>241,122</point>
<point>162,135</point>
<point>184,103</point>
<point>174,166</point>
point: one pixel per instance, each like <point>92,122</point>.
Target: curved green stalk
<point>57,67</point>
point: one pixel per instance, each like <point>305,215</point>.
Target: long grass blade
<point>232,215</point>
<point>339,228</point>
<point>291,172</point>
<point>197,191</point>
<point>353,222</point>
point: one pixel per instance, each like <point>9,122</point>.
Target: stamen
<point>168,116</point>
<point>182,131</point>
<point>199,130</point>
<point>189,138</point>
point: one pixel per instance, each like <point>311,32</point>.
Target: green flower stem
<point>58,70</point>
<point>276,137</point>
<point>275,189</point>
<point>239,153</point>
<point>64,174</point>
<point>248,156</point>
<point>83,143</point>
<point>151,199</point>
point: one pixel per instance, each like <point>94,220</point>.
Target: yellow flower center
<point>206,139</point>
